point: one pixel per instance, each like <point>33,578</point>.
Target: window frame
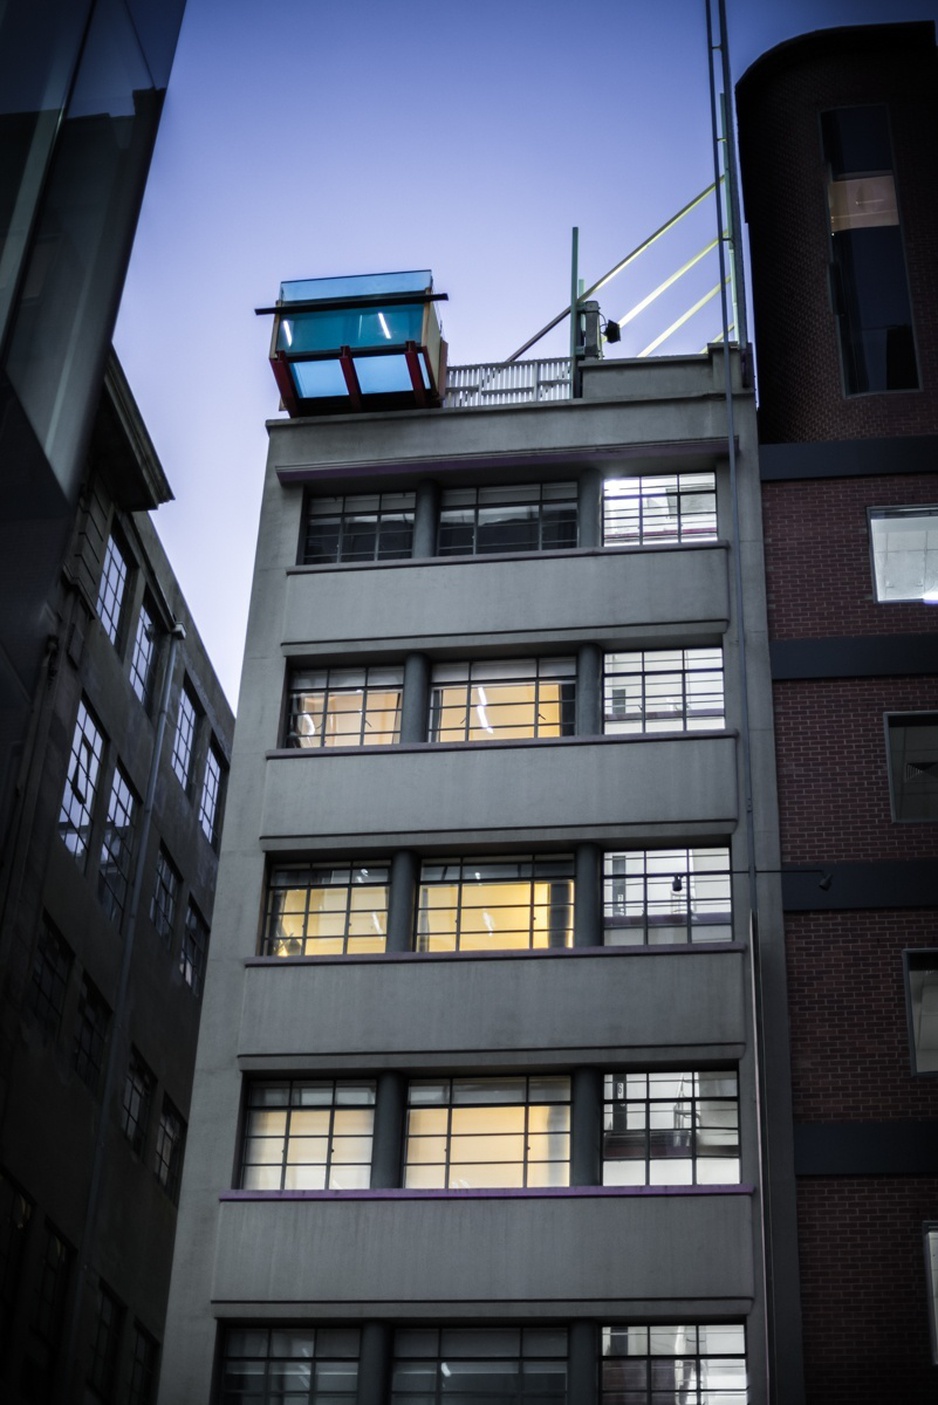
<point>383,508</point>
<point>163,913</point>
<point>647,1113</point>
<point>118,844</point>
<point>309,1337</point>
<point>342,1102</point>
<point>193,949</point>
<point>470,696</point>
<point>144,1367</point>
<point>137,1101</point>
<point>655,872</point>
<point>674,691</point>
<point>348,878</point>
<point>51,967</point>
<point>924,959</point>
<point>512,938</point>
<point>615,1385</point>
<point>211,808</point>
<point>112,593</point>
<point>489,499</point>
<point>170,1148</point>
<point>436,1349</point>
<point>143,656</point>
<point>906,721</point>
<point>924,512</point>
<point>105,1343</point>
<point>82,779</point>
<point>375,681</point>
<point>92,1031</point>
<point>184,741</point>
<point>930,1246</point>
<point>617,530</point>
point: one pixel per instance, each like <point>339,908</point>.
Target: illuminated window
<point>165,895</point>
<point>193,952</point>
<point>111,589</point>
<point>693,1363</point>
<point>308,1135</point>
<point>117,848</point>
<point>143,658</point>
<point>345,707</point>
<point>668,509</point>
<point>495,904</point>
<point>94,1017</point>
<point>170,1138</point>
<point>921,989</point>
<point>905,553</point>
<point>663,690</point>
<point>105,1344</point>
<point>501,1365</point>
<point>143,1368</point>
<point>52,961</point>
<point>912,739</point>
<point>671,1128</point>
<point>477,702</point>
<point>209,803</point>
<point>184,741</point>
<point>271,1365</point>
<point>135,1103</point>
<point>468,1133</point>
<point>379,527</point>
<point>327,910</point>
<point>658,897</point>
<point>526,517</point>
<point>81,783</point>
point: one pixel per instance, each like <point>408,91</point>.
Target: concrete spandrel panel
<point>563,1001</point>
<point>486,1250</point>
<point>584,595</point>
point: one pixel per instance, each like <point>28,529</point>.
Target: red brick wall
<point>863,1290</point>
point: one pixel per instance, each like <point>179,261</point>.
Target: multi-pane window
<point>143,658</point>
<point>913,765</point>
<point>111,589</point>
<point>117,847</point>
<point>376,527</point>
<point>81,782</point>
<point>658,897</point>
<point>136,1101</point>
<point>345,707</point>
<point>194,949</point>
<point>503,700</point>
<point>170,1136</point>
<point>90,1035</point>
<point>308,1135</point>
<point>674,1364</point>
<point>905,553</point>
<point>143,1368</point>
<point>302,1365</point>
<point>465,1133</point>
<point>931,1279</point>
<point>921,987</point>
<point>326,910</point>
<point>663,690</point>
<point>671,1128</point>
<point>184,740</point>
<point>49,1310</point>
<point>165,896</point>
<point>668,509</point>
<point>52,961</point>
<point>525,517</point>
<point>15,1215</point>
<point>105,1344</point>
<point>502,1365</point>
<point>209,802</point>
<point>495,904</point>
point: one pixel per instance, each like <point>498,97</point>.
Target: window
<point>194,949</point>
<point>931,1278</point>
<point>170,1136</point>
<point>670,509</point>
<point>52,962</point>
<point>502,1365</point>
<point>659,897</point>
<point>81,783</point>
<point>105,1344</point>
<point>326,910</point>
<point>526,517</point>
<point>345,707</point>
<point>143,1368</point>
<point>135,1104</point>
<point>671,1128</point>
<point>184,741</point>
<point>48,1311</point>
<point>308,1135</point>
<point>663,690</point>
<point>379,527</point>
<point>913,765</point>
<point>921,991</point>
<point>165,895</point>
<point>467,1133</point>
<point>15,1215</point>
<point>90,1035</point>
<point>869,285</point>
<point>495,904</point>
<point>905,553</point>
<point>143,658</point>
<point>503,700</point>
<point>270,1365</point>
<point>112,589</point>
<point>660,1365</point>
<point>209,804</point>
<point>117,847</point>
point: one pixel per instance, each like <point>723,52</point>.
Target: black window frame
<point>336,1105</point>
<point>468,524</point>
<point>633,518</point>
<point>92,1030</point>
<point>665,1118</point>
<point>48,986</point>
<point>113,588</point>
<point>391,516</point>
<point>289,923</point>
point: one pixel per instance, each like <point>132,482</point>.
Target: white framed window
<point>904,543</point>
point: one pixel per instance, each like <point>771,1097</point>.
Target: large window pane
<point>526,517</point>
<point>503,700</point>
<point>658,897</point>
<point>345,707</point>
<point>671,1128</point>
<point>495,904</point>
<point>326,910</point>
<point>905,552</point>
<point>313,1135</point>
<point>668,509</point>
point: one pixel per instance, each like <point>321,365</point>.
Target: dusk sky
<point>304,140</point>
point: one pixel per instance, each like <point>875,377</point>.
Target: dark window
<point>671,1128</point>
<point>345,707</point>
<point>305,1365</point>
<point>326,910</point>
<point>495,904</point>
<point>659,897</point>
<point>210,801</point>
<point>48,1315</point>
<point>112,589</point>
<point>868,275</point>
<point>52,961</point>
<point>663,690</point>
<point>692,1363</point>
<point>143,1368</point>
<point>90,1035</point>
<point>15,1214</point>
<point>913,765</point>
<point>379,527</point>
<point>184,740</point>
<point>136,1101</point>
<point>117,848</point>
<point>194,949</point>
<point>526,517</point>
<point>81,783</point>
<point>921,989</point>
<point>105,1345</point>
<point>143,659</point>
<point>170,1138</point>
<point>501,1365</point>
<point>165,895</point>
<point>503,700</point>
<point>308,1135</point>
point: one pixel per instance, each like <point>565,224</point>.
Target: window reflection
<point>345,707</point>
<point>495,904</point>
<point>671,1128</point>
<point>502,700</point>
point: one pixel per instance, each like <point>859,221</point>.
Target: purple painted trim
<point>586,1192</point>
<point>550,954</point>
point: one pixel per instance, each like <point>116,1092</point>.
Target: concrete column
<point>583,1363</point>
<point>374,1364</point>
<point>587,899</point>
<point>586,1127</point>
<point>416,702</point>
<point>403,888</point>
<point>388,1146</point>
<point>589,508</point>
<point>426,518</point>
<point>589,691</point>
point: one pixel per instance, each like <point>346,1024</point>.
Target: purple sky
<point>303,140</point>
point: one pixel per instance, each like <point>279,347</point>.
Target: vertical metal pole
<point>574,317</point>
<point>732,185</point>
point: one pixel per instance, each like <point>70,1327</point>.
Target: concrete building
<point>838,141</point>
<point>488,1077</point>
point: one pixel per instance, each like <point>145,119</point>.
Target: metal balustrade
<point>519,383</point>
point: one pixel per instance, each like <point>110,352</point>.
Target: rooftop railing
<point>518,383</point>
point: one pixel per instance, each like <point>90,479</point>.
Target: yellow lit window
<point>345,707</point>
<point>495,905</point>
<point>326,910</point>
<point>502,700</point>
